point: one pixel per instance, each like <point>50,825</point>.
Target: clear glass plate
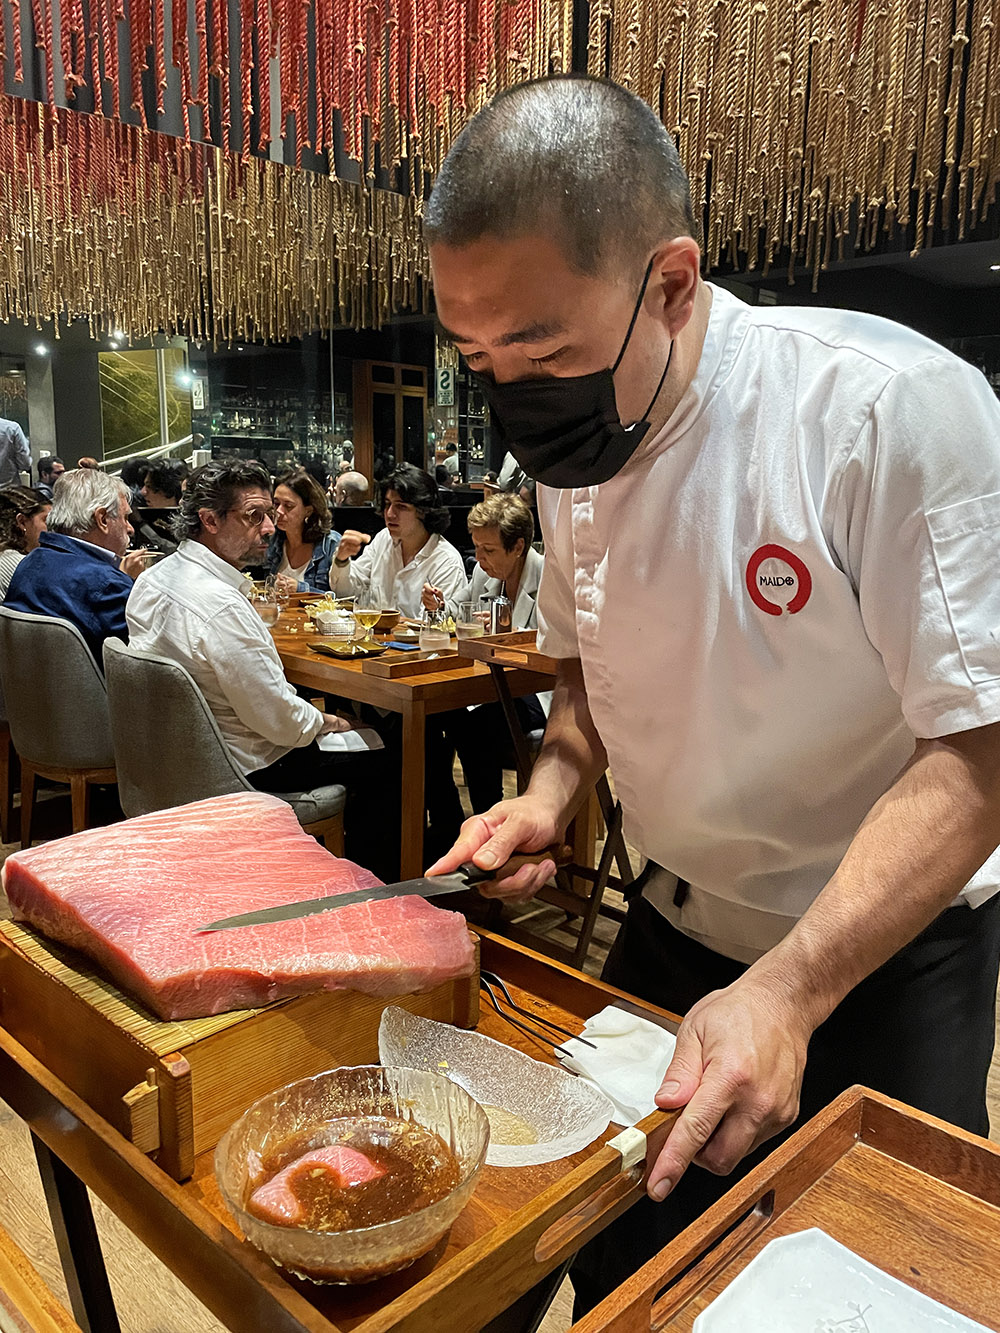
<point>810,1283</point>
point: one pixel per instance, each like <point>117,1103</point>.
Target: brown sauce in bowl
<point>417,1169</point>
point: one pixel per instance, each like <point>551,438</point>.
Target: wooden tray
<point>412,664</point>
<point>515,650</point>
<point>173,1089</point>
<point>521,1224</point>
<point>913,1195</point>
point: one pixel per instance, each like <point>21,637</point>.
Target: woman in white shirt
<point>23,512</point>
<point>408,553</point>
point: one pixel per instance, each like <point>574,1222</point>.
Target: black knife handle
<point>561,855</point>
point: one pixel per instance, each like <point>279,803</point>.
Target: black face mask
<point>566,432</point>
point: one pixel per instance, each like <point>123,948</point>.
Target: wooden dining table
<point>415,697</point>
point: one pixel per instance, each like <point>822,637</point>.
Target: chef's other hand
<point>491,839</point>
<point>333,723</point>
<point>432,599</point>
<point>133,563</point>
<point>737,1071</point>
<point>351,543</point>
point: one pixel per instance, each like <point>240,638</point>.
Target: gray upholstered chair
<point>57,707</point>
<point>8,771</point>
<point>169,750</point>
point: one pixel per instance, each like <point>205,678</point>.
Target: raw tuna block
<point>132,894</point>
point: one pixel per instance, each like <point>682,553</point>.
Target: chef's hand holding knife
<point>488,840</point>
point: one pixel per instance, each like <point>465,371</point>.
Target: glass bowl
<point>372,1252</point>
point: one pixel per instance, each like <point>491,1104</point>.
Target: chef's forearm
<point>918,847</point>
<point>572,757</point>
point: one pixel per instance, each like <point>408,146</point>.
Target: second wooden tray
<point>913,1195</point>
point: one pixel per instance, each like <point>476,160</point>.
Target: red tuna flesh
<point>276,1201</point>
<point>131,895</point>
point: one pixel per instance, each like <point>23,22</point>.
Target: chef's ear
<point>673,283</point>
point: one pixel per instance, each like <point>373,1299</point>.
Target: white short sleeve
<point>919,513</point>
<point>556,606</point>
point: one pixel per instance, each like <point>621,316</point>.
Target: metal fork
<point>487,980</point>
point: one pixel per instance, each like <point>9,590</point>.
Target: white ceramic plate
<point>810,1283</point>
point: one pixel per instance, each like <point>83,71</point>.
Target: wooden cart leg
<point>590,916</point>
<point>78,1244</point>
<point>522,755</point>
<point>411,850</point>
<point>27,802</point>
<point>79,789</point>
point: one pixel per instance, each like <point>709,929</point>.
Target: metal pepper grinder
<point>500,615</point>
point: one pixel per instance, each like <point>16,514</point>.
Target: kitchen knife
<point>465,877</point>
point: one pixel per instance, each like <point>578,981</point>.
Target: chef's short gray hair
<point>578,159</point>
<point>77,496</point>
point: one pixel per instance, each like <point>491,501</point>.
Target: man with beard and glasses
<point>194,608</point>
<point>770,579</point>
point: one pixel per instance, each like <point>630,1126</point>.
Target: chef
<point>772,544</point>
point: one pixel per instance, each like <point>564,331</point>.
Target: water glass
<point>470,623</point>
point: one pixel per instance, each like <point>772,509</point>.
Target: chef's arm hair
<point>572,756</point>
<point>918,847</point>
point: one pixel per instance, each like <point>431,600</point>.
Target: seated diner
<point>408,553</point>
<point>302,546</point>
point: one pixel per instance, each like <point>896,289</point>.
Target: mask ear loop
<point>663,378</point>
<point>635,315</point>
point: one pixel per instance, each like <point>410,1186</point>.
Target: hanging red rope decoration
<point>159,52</point>
<point>181,56</point>
<point>247,69</point>
<point>73,48</point>
<point>201,32</point>
<point>139,40</point>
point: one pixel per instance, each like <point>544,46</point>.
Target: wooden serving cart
<point>909,1193</point>
<point>521,1225</point>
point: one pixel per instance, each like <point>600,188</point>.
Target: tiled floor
<point>150,1299</point>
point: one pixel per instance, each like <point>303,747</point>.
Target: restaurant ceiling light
<point>42,349</point>
<point>995,268</point>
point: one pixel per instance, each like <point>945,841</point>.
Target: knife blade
<point>426,886</point>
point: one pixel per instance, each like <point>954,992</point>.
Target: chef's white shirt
<point>380,567</point>
<point>797,576</point>
<point>193,608</point>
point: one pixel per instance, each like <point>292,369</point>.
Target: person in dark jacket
<point>77,571</point>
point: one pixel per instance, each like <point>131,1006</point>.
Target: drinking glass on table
<point>469,624</point>
<point>367,611</point>
<point>433,636</point>
<point>266,606</point>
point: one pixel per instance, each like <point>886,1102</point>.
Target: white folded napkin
<point>629,1061</point>
<point>345,742</point>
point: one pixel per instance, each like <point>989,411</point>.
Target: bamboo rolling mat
<point>90,983</point>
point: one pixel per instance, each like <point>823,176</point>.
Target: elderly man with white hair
<point>79,571</point>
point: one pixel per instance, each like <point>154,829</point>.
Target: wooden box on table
<point>173,1089</point>
<point>916,1197</point>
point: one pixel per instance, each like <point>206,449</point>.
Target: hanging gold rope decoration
<point>134,229</point>
<point>819,124</point>
<point>131,229</point>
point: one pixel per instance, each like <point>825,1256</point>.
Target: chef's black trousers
<point>920,1029</point>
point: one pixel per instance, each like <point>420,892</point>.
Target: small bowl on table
<point>387,620</point>
<point>367,1253</point>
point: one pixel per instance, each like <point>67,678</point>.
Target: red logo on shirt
<point>757,582</point>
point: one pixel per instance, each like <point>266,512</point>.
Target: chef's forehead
<point>579,159</point>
